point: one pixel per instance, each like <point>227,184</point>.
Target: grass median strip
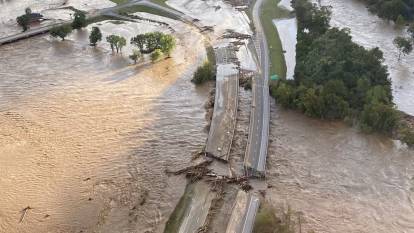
<point>269,12</point>
<point>139,8</point>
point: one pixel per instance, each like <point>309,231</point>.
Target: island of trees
<point>338,79</point>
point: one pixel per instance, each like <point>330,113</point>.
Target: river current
<point>337,178</point>
<point>85,138</point>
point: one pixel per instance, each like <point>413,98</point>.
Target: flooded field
<point>370,31</point>
<point>52,10</point>
<point>340,179</point>
<point>214,13</point>
<point>287,29</point>
<point>85,137</point>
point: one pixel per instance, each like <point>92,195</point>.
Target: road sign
<point>274,77</point>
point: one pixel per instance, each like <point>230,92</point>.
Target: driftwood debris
<point>24,212</point>
<point>195,172</point>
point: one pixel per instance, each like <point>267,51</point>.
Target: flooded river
<point>370,31</point>
<point>340,179</point>
<point>85,137</point>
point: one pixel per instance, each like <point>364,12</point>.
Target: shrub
<point>204,73</point>
<point>95,36</point>
<point>61,31</point>
<point>79,20</point>
<point>156,55</point>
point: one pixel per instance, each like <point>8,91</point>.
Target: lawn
<point>271,11</point>
<point>133,9</point>
<point>119,2</point>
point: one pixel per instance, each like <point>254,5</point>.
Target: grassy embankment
<point>270,11</point>
<point>133,9</point>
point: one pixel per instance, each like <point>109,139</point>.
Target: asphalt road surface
<point>256,151</point>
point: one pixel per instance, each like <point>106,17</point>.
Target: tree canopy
<point>24,20</point>
<point>336,78</point>
<point>149,42</point>
<point>116,42</point>
<point>79,20</point>
<point>95,36</point>
<point>404,45</point>
<point>61,31</point>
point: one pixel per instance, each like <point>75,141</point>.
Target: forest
<point>336,78</point>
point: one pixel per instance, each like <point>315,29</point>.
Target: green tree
<point>28,11</point>
<point>156,55</point>
<point>139,41</point>
<point>79,20</point>
<point>61,31</point>
<point>167,44</point>
<point>136,54</point>
<point>116,42</point>
<point>112,40</point>
<point>95,36</point>
<point>151,41</point>
<point>23,21</point>
<point>378,116</point>
<point>404,46</point>
<point>121,42</point>
<point>204,73</point>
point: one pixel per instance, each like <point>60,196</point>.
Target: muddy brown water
<point>85,138</point>
<point>340,179</point>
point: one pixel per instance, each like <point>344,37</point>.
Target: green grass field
<point>119,2</point>
<point>269,12</point>
<point>150,10</point>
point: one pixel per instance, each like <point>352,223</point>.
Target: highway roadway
<point>111,11</point>
<point>256,151</point>
<point>224,118</point>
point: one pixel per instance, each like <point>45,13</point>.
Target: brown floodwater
<point>340,179</point>
<point>337,178</point>
<point>370,31</point>
<point>85,137</point>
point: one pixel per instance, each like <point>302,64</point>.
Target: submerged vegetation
<point>268,222</point>
<point>336,78</point>
<point>24,20</point>
<point>61,31</point>
<point>116,42</point>
<point>207,71</point>
<point>204,73</point>
<point>95,36</point>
